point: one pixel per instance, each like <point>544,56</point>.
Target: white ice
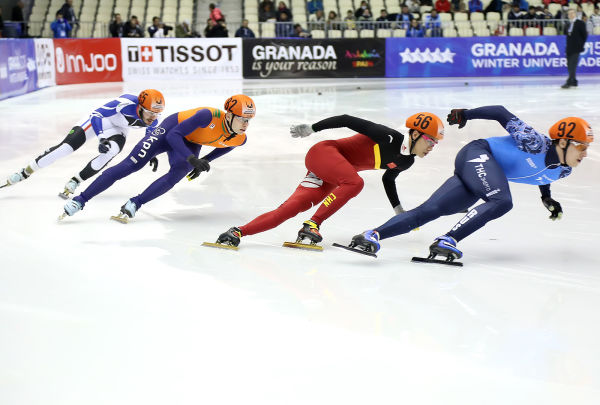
<point>96,312</point>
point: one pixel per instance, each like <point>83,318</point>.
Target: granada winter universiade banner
<point>18,70</point>
<point>485,56</point>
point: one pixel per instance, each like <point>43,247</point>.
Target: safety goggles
<point>581,147</point>
<point>430,141</point>
<point>150,114</point>
<point>242,120</point>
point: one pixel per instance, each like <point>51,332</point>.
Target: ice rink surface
<point>96,312</point>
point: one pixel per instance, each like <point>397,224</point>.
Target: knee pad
<point>75,138</point>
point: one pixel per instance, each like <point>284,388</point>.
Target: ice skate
<point>366,243</point>
<point>71,208</point>
<point>17,177</point>
<point>69,188</point>
<point>227,240</point>
<point>309,231</point>
<point>127,211</point>
<point>442,246</point>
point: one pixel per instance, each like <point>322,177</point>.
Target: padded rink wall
<point>30,64</point>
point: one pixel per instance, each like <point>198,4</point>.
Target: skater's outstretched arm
<point>490,112</point>
<point>175,136</point>
<point>389,184</point>
<point>377,132</point>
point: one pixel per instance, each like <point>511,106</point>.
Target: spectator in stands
<point>215,13</point>
<point>433,22</point>
<point>132,28</point>
<point>267,13</point>
<point>595,17</point>
<point>17,16</point>
<point>531,18</point>
<point>116,26</point>
<point>366,20</point>
<point>158,29</point>
<point>316,21</point>
<point>515,16</point>
<point>244,31</point>
<point>60,27</point>
<point>414,6</point>
<point>443,6</point>
<point>283,8</point>
<point>216,29</point>
<point>494,6</point>
<point>415,30</point>
<point>475,6</point>
<point>383,20</point>
<point>313,5</point>
<point>284,27</point>
<point>359,11</point>
<point>333,21</point>
<point>580,13</point>
<point>183,30</point>
<point>299,32</point>
<point>405,17</point>
<point>69,13</point>
<point>350,20</point>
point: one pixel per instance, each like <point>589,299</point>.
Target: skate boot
<point>69,188</point>
<point>71,208</point>
<point>367,241</point>
<point>127,211</point>
<point>17,177</point>
<point>231,237</point>
<point>444,246</point>
<point>310,231</point>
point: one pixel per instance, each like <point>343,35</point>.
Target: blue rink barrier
<point>18,70</point>
<point>485,56</point>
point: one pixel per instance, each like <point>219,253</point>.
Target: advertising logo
<point>362,58</point>
<point>427,56</point>
<point>180,53</point>
<point>87,60</point>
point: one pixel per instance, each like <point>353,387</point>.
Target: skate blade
<point>6,185</point>
<point>64,195</point>
<point>122,218</point>
<point>62,216</point>
<point>220,246</point>
<point>302,246</point>
<point>362,252</point>
<point>436,261</point>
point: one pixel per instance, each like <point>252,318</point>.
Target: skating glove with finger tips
<point>554,208</point>
<point>301,131</point>
<point>154,163</point>
<point>200,165</point>
<point>457,116</point>
<point>104,146</point>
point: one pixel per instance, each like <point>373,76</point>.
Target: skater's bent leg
<point>481,215</point>
<point>303,199</point>
<point>450,198</point>
<point>73,141</point>
<point>163,184</point>
<point>116,143</point>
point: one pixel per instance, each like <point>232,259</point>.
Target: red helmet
<point>152,100</point>
<point>241,105</point>
<point>427,123</point>
<point>573,129</point>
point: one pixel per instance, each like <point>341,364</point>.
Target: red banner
<point>88,60</point>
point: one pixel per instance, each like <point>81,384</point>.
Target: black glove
<point>200,165</point>
<point>457,116</point>
<point>154,163</point>
<point>554,208</point>
<point>104,146</point>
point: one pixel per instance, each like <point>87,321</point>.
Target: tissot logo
<point>180,53</point>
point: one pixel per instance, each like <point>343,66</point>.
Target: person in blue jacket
<point>483,169</point>
<point>60,26</point>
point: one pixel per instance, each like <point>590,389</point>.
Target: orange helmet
<point>427,123</point>
<point>573,129</point>
<point>152,100</point>
<point>241,105</point>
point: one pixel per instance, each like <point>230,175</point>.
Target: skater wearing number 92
<point>483,169</point>
<point>333,167</point>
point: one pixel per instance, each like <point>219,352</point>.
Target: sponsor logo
<point>179,53</point>
<point>427,56</point>
<point>92,62</point>
<point>491,193</point>
<point>515,49</point>
<point>360,58</point>
<point>481,159</point>
<point>305,52</point>
<point>530,161</point>
<point>465,219</point>
<point>481,173</point>
<point>145,146</point>
<point>311,181</point>
<point>329,199</point>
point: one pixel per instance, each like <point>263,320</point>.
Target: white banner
<point>181,58</point>
<point>44,57</point>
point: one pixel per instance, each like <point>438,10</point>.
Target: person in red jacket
<point>443,6</point>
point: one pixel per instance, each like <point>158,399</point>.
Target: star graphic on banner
<point>406,56</point>
<point>447,56</point>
